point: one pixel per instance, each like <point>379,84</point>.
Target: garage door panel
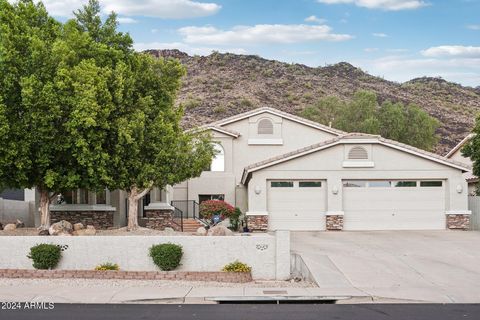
<point>296,208</point>
<point>413,208</point>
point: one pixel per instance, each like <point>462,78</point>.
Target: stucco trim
<point>458,212</point>
<point>358,164</point>
<point>265,142</point>
<point>256,213</point>
<point>335,213</point>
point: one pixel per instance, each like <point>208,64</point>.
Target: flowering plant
<point>211,208</point>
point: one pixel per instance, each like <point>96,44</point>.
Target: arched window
<point>265,126</point>
<point>358,153</point>
<point>218,162</point>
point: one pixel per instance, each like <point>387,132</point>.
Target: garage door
<point>393,205</point>
<point>296,205</point>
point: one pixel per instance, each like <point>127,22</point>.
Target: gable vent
<point>358,153</point>
<point>265,126</point>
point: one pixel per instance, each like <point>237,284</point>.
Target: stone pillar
<point>334,221</point>
<point>458,221</point>
<point>257,221</point>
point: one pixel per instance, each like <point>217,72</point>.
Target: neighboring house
<point>456,154</point>
<point>290,173</point>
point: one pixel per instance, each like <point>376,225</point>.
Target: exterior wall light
<point>335,190</point>
<point>258,190</point>
<point>459,189</point>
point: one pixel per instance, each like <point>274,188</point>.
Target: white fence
<point>474,206</point>
<point>11,210</point>
<point>267,254</point>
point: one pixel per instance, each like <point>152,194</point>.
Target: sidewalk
<point>94,291</point>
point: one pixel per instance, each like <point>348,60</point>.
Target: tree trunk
<point>44,210</point>
<point>133,196</point>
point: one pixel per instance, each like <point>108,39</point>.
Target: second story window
<point>218,162</point>
<point>265,126</point>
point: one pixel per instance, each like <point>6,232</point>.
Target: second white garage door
<point>393,205</point>
<point>296,205</point>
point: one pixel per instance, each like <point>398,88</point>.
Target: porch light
<point>335,190</point>
<point>258,190</point>
<point>459,188</point>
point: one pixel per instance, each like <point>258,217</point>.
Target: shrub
<point>237,266</point>
<point>211,208</point>
<point>45,256</point>
<point>107,266</point>
<point>235,219</point>
<point>166,256</point>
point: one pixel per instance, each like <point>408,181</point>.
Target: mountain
<point>221,85</point>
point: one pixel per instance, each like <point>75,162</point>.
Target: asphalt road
<point>248,312</point>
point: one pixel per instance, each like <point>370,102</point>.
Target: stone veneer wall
<point>98,219</point>
<point>257,222</point>
<point>160,219</point>
<point>458,221</point>
<point>334,222</point>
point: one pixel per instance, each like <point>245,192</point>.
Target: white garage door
<point>296,205</point>
<point>393,205</point>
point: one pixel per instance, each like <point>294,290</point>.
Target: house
<point>286,172</point>
<point>456,154</point>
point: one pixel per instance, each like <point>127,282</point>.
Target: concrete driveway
<point>421,266</point>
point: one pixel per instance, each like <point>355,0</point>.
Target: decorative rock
<point>43,232</point>
<point>220,230</point>
<point>61,228</point>
<point>201,231</point>
<point>10,227</point>
<point>78,226</point>
<point>89,231</point>
<point>1,226</point>
<point>20,224</point>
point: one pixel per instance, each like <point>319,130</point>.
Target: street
<point>250,311</point>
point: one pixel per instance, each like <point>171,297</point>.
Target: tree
<point>148,146</point>
<point>472,150</point>
<point>58,86</point>
<point>405,123</point>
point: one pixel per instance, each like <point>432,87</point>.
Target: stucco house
<point>456,154</point>
<point>286,172</point>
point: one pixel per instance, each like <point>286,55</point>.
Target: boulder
<point>10,227</point>
<point>169,230</point>
<point>78,226</point>
<point>220,230</point>
<point>20,224</point>
<point>1,226</point>
<point>89,231</point>
<point>61,228</point>
<point>201,231</point>
<point>225,223</point>
<point>43,232</point>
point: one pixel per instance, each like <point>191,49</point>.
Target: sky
<point>395,39</point>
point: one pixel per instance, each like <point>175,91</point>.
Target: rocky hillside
<point>221,85</point>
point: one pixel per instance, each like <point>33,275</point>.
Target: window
<point>218,161</point>
<point>282,184</point>
<point>430,183</point>
<point>79,196</point>
<point>265,126</point>
<point>355,183</point>
<point>310,184</point>
<point>101,197</point>
<point>379,184</point>
<point>401,184</point>
<point>358,153</point>
<point>206,197</point>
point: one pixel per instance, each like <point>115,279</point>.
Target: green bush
<point>45,256</point>
<point>235,219</point>
<point>237,266</point>
<point>107,266</point>
<point>166,256</point>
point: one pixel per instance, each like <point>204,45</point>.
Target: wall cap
<point>256,213</point>
<point>158,206</point>
<point>82,207</point>
<point>458,212</point>
<point>335,213</point>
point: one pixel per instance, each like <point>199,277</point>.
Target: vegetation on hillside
<point>404,123</point>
